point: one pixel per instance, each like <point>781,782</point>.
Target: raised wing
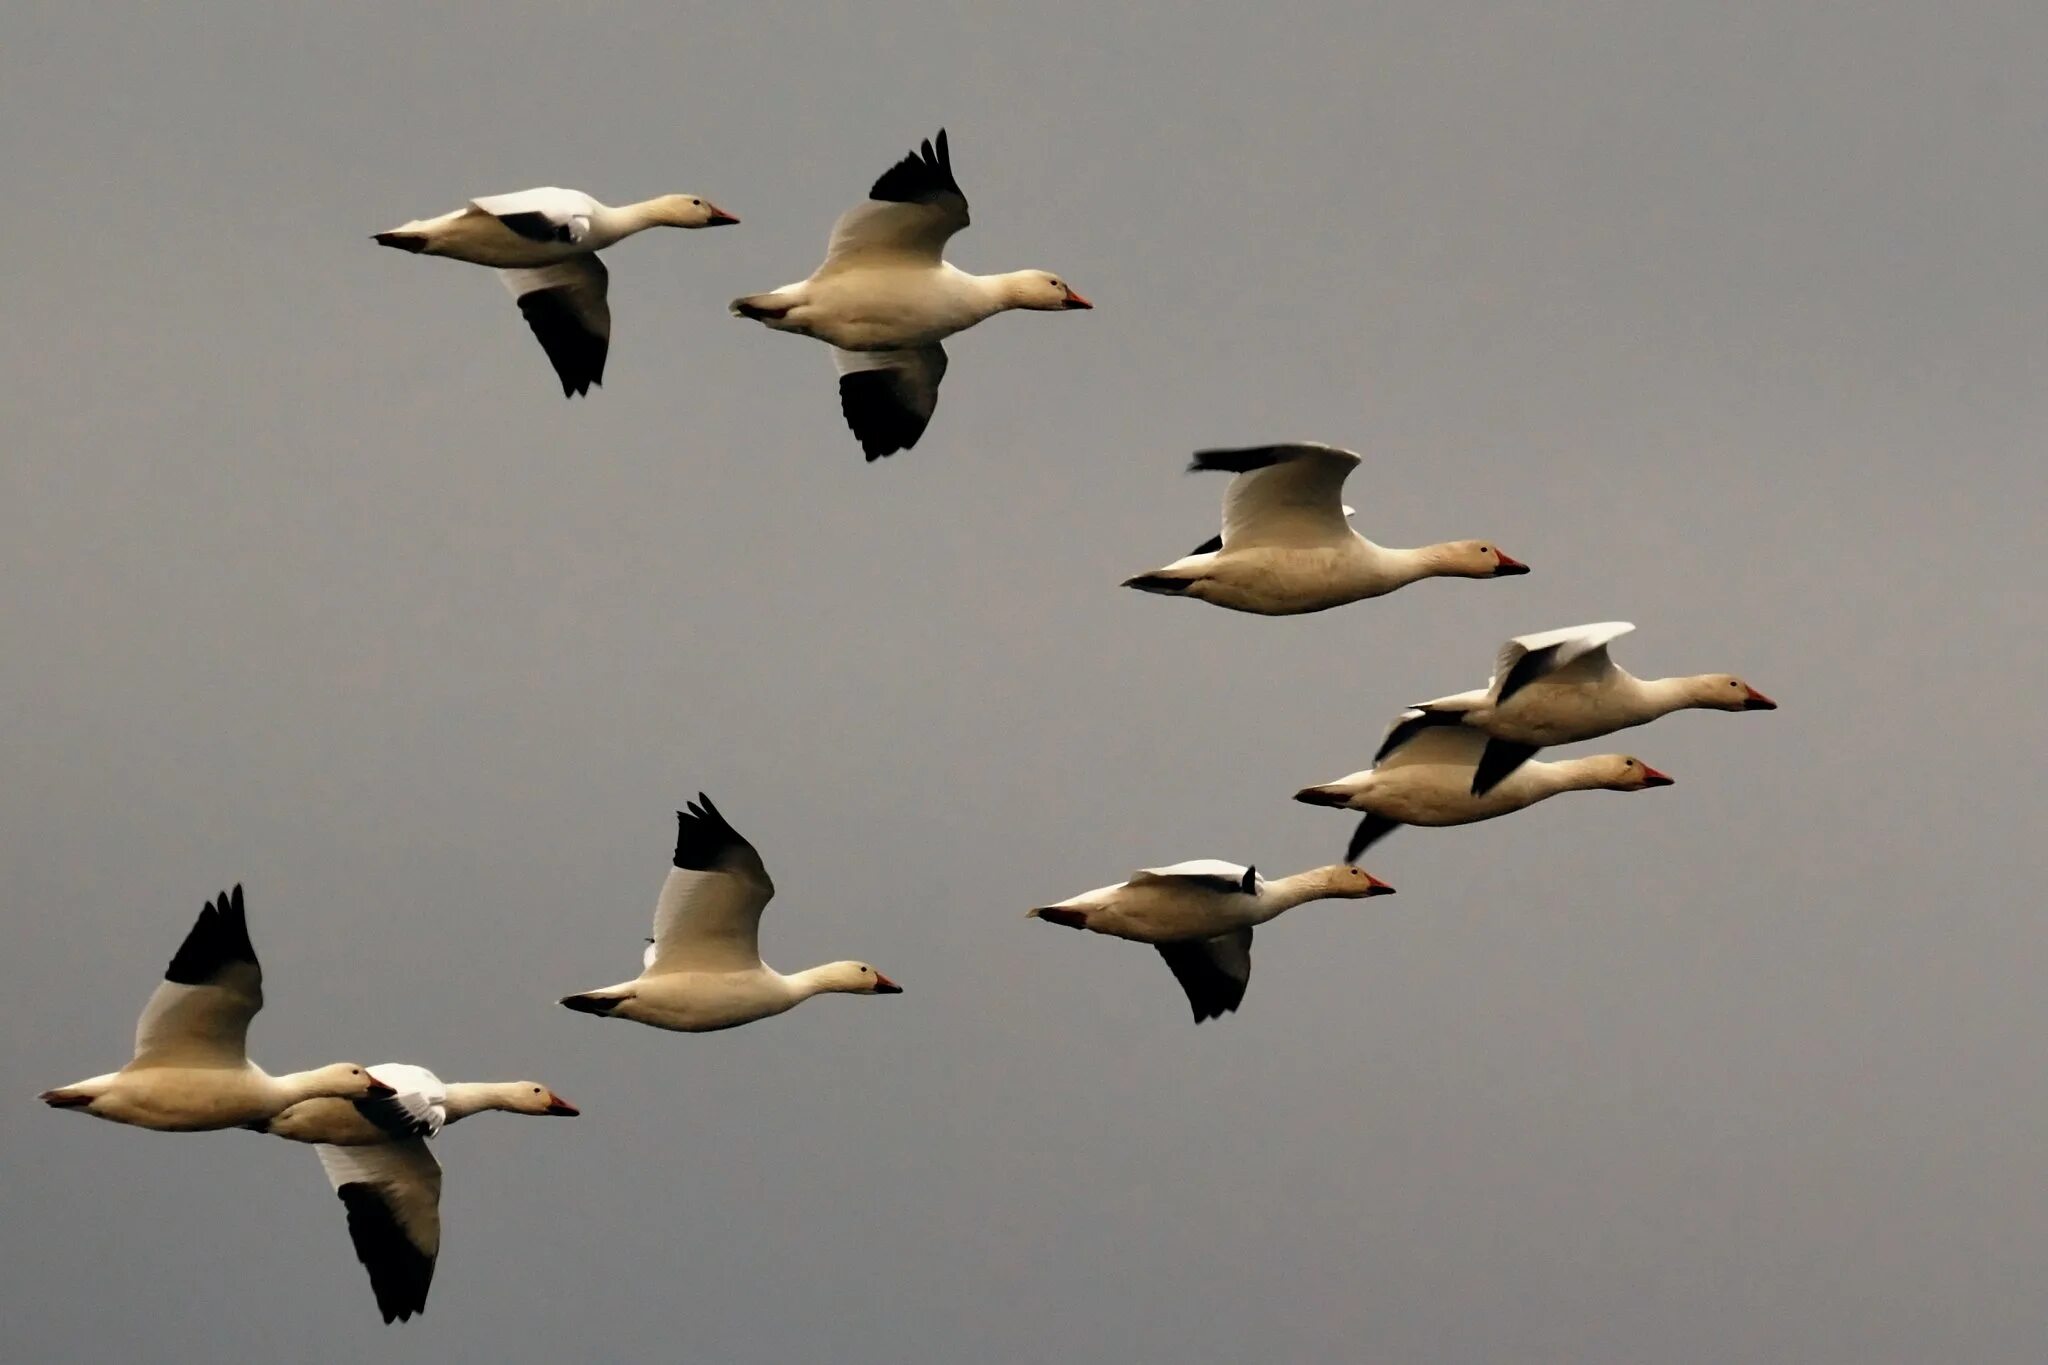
<point>543,215</point>
<point>393,1196</point>
<point>709,916</point>
<point>888,397</point>
<point>1576,652</point>
<point>1285,495</point>
<point>910,213</point>
<point>199,1016</point>
<point>565,305</point>
<point>1213,971</point>
<point>417,1110</point>
<point>1212,874</point>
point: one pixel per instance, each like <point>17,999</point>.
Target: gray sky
<point>1729,320</point>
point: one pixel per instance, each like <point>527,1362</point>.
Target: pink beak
<point>1508,565</point>
<point>1653,778</point>
<point>1757,701</point>
<point>719,217</point>
<point>561,1107</point>
<point>1075,300</point>
<point>1375,887</point>
<point>884,986</point>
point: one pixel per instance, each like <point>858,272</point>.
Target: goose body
<point>1561,687</point>
<point>885,297</point>
<point>1288,547</point>
<point>191,1070</point>
<point>376,1157</point>
<point>1200,916</point>
<point>1427,780</point>
<point>544,244</point>
<point>702,971</point>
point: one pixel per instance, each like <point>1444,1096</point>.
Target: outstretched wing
<point>1212,874</point>
<point>910,213</point>
<point>1213,971</point>
<point>566,307</point>
<point>1408,743</point>
<point>888,397</point>
<point>1286,495</point>
<point>393,1196</point>
<point>199,1016</point>
<point>708,918</point>
<point>1575,652</point>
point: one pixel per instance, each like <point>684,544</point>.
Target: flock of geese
<point>884,299</point>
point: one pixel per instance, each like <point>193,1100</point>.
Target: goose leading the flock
<point>1560,687</point>
<point>1200,916</point>
<point>1427,780</point>
<point>191,1071</point>
<point>886,297</point>
<point>1288,546</point>
<point>375,1154</point>
<point>703,971</point>
<point>544,244</point>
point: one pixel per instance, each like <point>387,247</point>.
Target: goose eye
<point>697,203</point>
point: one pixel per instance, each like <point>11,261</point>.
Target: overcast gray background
<point>1728,319</point>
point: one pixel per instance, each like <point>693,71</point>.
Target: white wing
<point>418,1109</point>
<point>1285,495</point>
<point>393,1196</point>
<point>1580,649</point>
<point>199,1016</point>
<point>888,397</point>
<point>1211,873</point>
<point>910,213</point>
<point>708,918</point>
<point>542,215</point>
<point>565,305</point>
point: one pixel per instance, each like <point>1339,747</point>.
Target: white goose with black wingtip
<point>1560,687</point>
<point>191,1071</point>
<point>544,245</point>
<point>702,971</point>
<point>1426,779</point>
<point>885,298</point>
<point>1200,916</point>
<point>1288,546</point>
<point>375,1154</point>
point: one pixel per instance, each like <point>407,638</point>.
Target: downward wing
<point>565,305</point>
<point>910,213</point>
<point>1453,745</point>
<point>1211,874</point>
<point>393,1196</point>
<point>709,916</point>
<point>1286,495</point>
<point>1213,971</point>
<point>199,1016</point>
<point>542,215</point>
<point>1430,714</point>
<point>1576,652</point>
<point>888,397</point>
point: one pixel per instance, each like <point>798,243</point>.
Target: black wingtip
<point>400,1273</point>
<point>218,938</point>
<point>921,176</point>
<point>589,1004</point>
<point>877,415</point>
<point>1370,831</point>
<point>1414,725</point>
<point>703,836</point>
<point>1166,585</point>
<point>1250,883</point>
<point>1209,546</point>
<point>576,353</point>
<point>1235,461</point>
<point>1497,762</point>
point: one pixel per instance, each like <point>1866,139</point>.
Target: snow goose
<point>544,245</point>
<point>1560,687</point>
<point>1200,915</point>
<point>1288,547</point>
<point>375,1154</point>
<point>1426,779</point>
<point>191,1070</point>
<point>702,971</point>
<point>885,298</point>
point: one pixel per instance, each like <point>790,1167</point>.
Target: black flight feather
<point>1370,831</point>
<point>919,178</point>
<point>400,1273</point>
<point>218,939</point>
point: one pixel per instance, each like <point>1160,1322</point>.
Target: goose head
<point>853,978</point>
<point>1041,291</point>
<point>1726,692</point>
<point>689,211</point>
<point>531,1097</point>
<point>1347,881</point>
<point>1474,559</point>
<point>346,1081</point>
<point>1622,773</point>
